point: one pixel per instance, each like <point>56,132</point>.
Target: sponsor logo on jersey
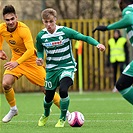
<point>57,43</point>
<point>52,43</point>
<point>47,44</point>
<point>12,42</point>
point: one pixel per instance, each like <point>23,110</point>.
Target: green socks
<point>64,103</point>
<point>47,108</point>
<point>128,94</point>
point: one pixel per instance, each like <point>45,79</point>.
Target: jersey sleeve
<point>73,34</point>
<point>127,20</point>
<point>1,41</point>
<point>28,42</point>
<point>39,47</point>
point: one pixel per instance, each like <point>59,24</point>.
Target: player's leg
<point>37,75</point>
<point>65,83</point>
<point>48,100</point>
<point>8,81</point>
<point>124,86</point>
<point>56,99</point>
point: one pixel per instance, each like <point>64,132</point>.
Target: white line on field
<point>54,114</point>
<point>96,99</point>
<point>51,121</point>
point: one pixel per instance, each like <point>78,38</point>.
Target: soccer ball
<point>76,119</point>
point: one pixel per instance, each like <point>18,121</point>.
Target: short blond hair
<point>45,14</point>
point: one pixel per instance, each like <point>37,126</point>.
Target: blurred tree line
<point>66,9</point>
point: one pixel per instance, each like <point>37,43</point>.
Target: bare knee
<point>8,82</point>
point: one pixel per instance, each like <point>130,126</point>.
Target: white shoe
<point>10,115</point>
<point>67,114</point>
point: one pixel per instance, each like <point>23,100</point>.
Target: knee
<point>120,86</point>
<point>63,92</point>
<point>6,85</point>
<point>49,95</point>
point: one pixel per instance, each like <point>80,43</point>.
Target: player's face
<point>50,24</point>
<point>11,21</point>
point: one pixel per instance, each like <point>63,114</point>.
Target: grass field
<point>104,112</point>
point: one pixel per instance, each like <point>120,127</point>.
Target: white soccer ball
<point>76,119</point>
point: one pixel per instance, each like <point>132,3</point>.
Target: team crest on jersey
<point>12,42</point>
<point>60,37</point>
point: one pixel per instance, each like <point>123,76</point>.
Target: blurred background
<point>83,16</point>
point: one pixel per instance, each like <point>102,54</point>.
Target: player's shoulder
<point>128,10</point>
<point>22,26</point>
<point>3,26</point>
<point>42,32</point>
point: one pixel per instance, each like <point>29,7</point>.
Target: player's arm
<point>1,42</point>
<point>73,34</point>
<point>40,51</point>
<point>39,47</point>
<point>28,42</point>
<point>3,55</point>
<point>127,20</point>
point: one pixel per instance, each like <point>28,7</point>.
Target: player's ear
<point>55,19</point>
<point>43,20</point>
<point>16,16</point>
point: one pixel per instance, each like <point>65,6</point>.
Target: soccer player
<point>60,63</point>
<point>124,83</point>
<point>23,61</point>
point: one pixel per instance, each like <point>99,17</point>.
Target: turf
<point>104,112</point>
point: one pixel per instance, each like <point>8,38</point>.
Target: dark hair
<point>118,31</point>
<point>8,9</point>
<point>128,1</point>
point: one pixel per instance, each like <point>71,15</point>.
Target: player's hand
<point>10,65</point>
<point>101,47</point>
<point>39,61</point>
<point>3,55</point>
<point>101,28</point>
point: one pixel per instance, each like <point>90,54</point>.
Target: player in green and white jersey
<point>124,84</point>
<point>60,64</point>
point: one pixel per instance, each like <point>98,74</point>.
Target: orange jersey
<point>20,42</point>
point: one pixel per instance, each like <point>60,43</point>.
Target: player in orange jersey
<point>23,61</point>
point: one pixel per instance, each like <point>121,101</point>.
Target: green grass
<point>104,112</point>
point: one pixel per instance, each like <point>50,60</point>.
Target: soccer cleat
<point>10,115</point>
<point>42,121</point>
<point>60,123</point>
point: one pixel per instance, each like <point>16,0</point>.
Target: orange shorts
<point>35,74</point>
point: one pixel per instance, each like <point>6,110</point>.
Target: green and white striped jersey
<point>58,47</point>
<point>126,22</point>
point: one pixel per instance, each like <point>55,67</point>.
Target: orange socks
<point>9,94</point>
<point>56,100</point>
